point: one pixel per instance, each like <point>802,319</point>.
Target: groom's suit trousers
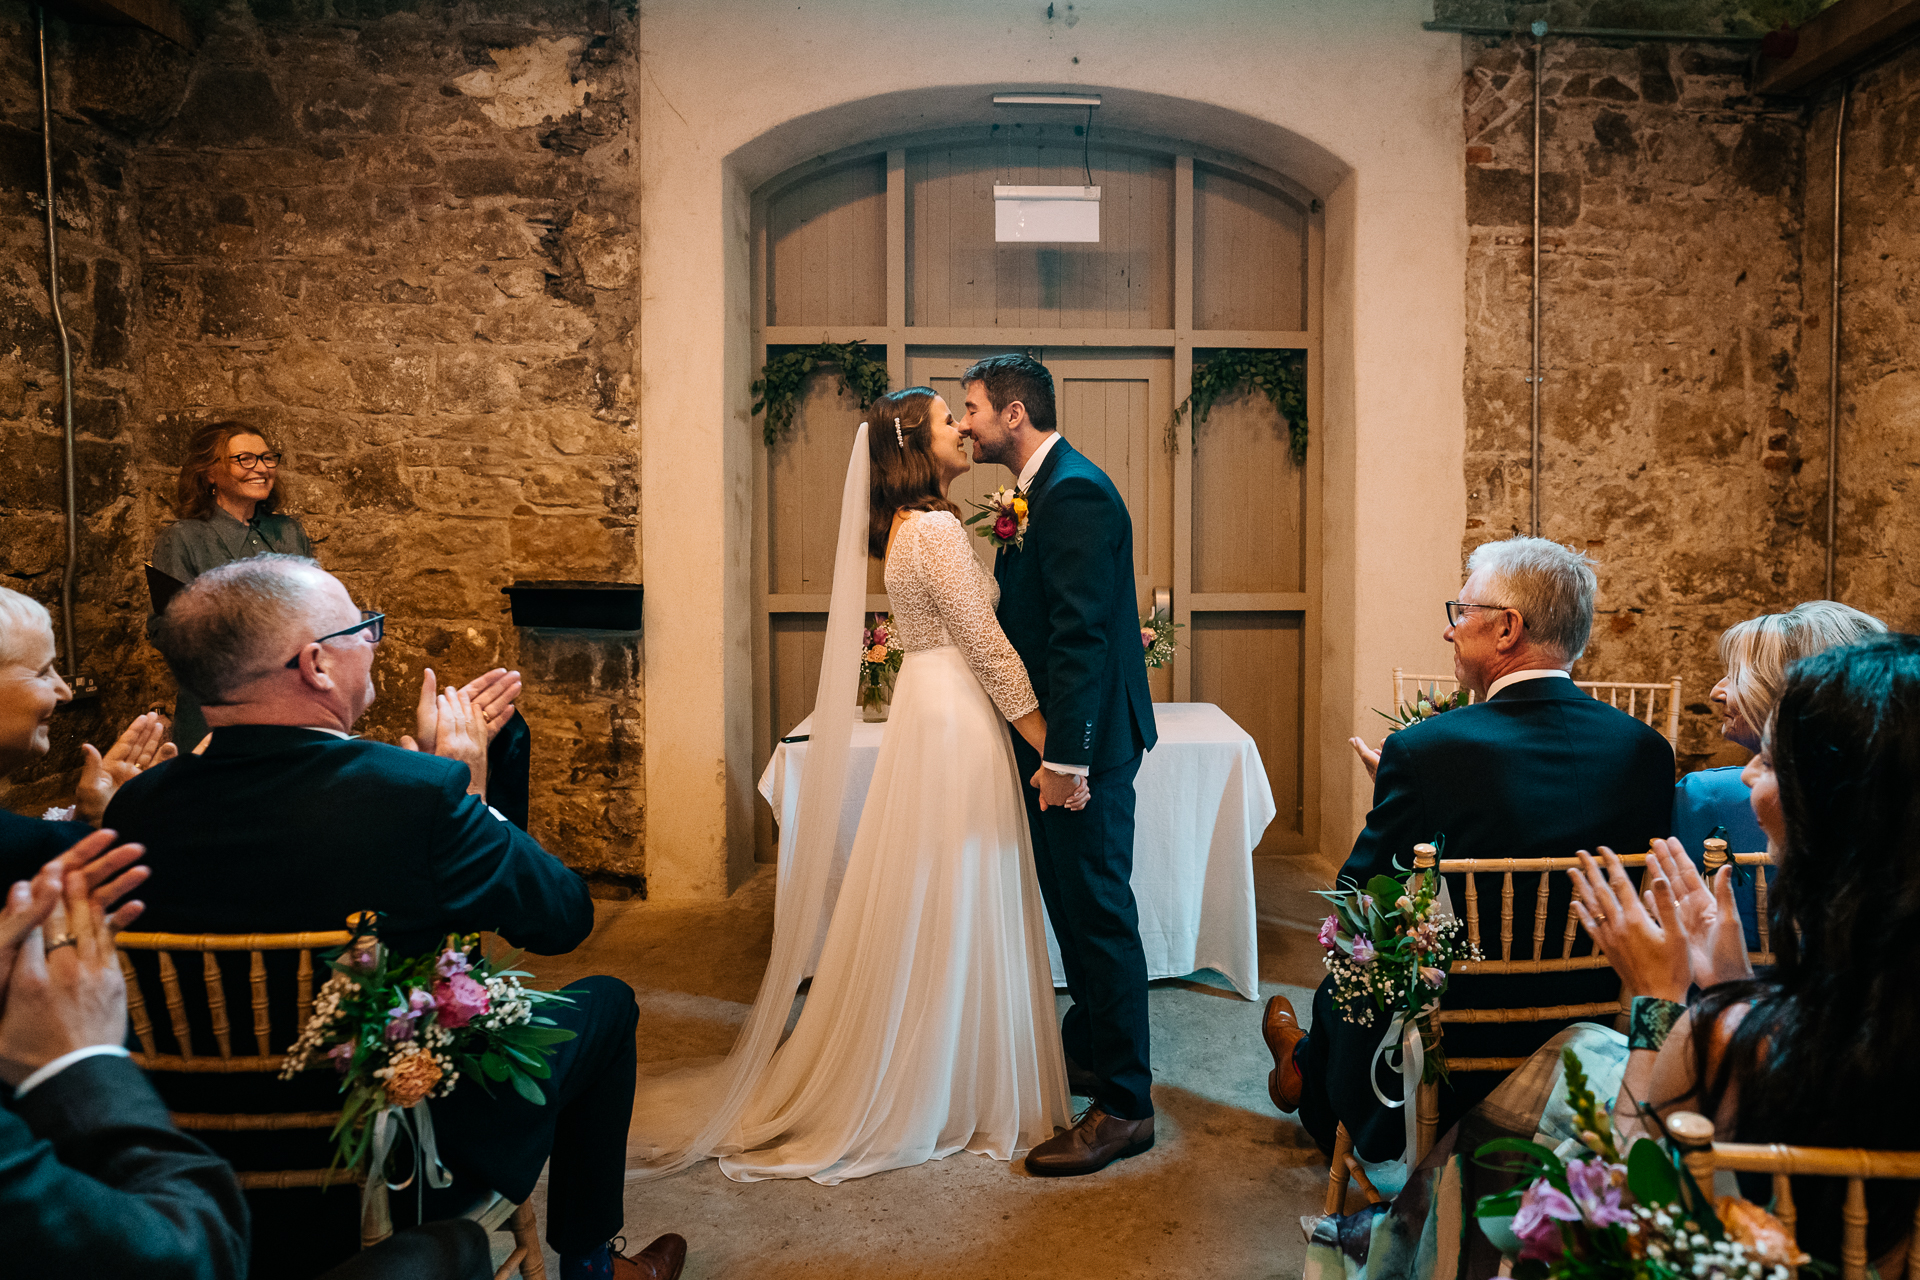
<point>1084,861</point>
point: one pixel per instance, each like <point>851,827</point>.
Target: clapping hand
<point>1716,942</point>
<point>1369,757</point>
<point>64,988</point>
<point>460,733</point>
<point>493,693</point>
<point>143,745</point>
<point>91,868</point>
<point>1642,934</point>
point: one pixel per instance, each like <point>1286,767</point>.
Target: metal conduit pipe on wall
<point>1833,343</point>
<point>1539,73</point>
<point>69,651</point>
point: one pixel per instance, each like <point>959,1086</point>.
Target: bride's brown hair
<point>902,474</point>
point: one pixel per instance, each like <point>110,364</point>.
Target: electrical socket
<point>85,688</point>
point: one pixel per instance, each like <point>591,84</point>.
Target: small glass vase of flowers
<point>402,1031</point>
<point>1157,639</point>
<point>880,655</point>
<point>1589,1214</point>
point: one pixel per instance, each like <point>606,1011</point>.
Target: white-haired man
<point>1534,768</point>
<point>287,824</point>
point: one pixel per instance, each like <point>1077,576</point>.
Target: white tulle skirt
<point>929,1027</point>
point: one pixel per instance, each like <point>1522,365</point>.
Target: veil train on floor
<point>687,1115</point>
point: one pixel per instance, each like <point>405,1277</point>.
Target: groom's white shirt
<point>1515,677</point>
<point>1027,473</point>
<point>1032,469</point>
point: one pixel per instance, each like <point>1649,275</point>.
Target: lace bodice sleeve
<point>963,596</point>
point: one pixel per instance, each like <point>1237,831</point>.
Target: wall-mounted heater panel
<point>1058,215</point>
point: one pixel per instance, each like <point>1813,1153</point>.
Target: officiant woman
<point>227,500</point>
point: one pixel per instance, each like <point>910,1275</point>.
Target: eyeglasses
<point>374,624</point>
<point>248,461</point>
<point>1457,607</point>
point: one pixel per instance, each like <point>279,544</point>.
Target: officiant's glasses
<point>374,624</point>
<point>248,461</point>
<point>1457,607</point>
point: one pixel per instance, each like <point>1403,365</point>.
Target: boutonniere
<point>1005,514</point>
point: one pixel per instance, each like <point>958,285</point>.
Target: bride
<point>929,1027</point>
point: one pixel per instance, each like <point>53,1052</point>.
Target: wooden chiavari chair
<point>1345,1165</point>
<point>1716,856</point>
<point>1693,1134</point>
<point>261,1001</point>
<point>1642,699</point>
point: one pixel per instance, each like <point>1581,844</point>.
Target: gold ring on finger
<point>64,940</point>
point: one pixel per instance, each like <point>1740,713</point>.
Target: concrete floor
<point>1220,1195</point>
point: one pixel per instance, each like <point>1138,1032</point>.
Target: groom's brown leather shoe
<point>1282,1032</point>
<point>660,1260</point>
<point>1093,1143</point>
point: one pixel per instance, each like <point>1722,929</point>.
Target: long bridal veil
<point>688,1115</point>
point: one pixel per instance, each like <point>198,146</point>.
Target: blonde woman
<point>1757,653</point>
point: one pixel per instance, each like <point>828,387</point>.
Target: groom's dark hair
<point>1015,377</point>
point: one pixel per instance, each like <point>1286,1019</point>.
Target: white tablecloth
<point>1202,803</point>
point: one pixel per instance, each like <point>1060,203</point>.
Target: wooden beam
<point>163,17</point>
<point>1836,38</point>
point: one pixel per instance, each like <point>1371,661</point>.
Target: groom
<point>1067,605</point>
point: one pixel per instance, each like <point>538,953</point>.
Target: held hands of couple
<point>1671,934</point>
<point>1060,790</point>
<point>142,745</point>
<point>56,997</point>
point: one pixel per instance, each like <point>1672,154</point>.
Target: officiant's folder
<point>161,587</point>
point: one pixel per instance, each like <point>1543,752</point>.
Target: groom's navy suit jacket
<point>1540,770</point>
<point>1067,605</point>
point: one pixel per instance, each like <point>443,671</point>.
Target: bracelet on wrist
<point>1651,1021</point>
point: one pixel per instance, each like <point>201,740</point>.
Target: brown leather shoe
<point>660,1260</point>
<point>1282,1032</point>
<point>1094,1142</point>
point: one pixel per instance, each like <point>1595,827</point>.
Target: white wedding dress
<point>930,1026</point>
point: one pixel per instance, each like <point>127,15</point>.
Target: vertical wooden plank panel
<point>805,473</point>
<point>798,641</point>
<point>826,256</point>
<point>1252,666</point>
<point>1248,501</point>
<point>1249,255</point>
<point>1182,300</point>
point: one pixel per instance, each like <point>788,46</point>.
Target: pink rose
<point>460,1000</point>
<point>1328,928</point>
<point>1363,951</point>
<point>1146,637</point>
<point>1005,527</point>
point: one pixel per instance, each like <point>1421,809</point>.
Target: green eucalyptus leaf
<point>1650,1177</point>
<point>529,1090</point>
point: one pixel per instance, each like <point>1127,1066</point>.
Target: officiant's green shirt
<point>189,548</point>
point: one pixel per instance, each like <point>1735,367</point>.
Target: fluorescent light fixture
<point>1056,215</point>
<point>1046,99</point>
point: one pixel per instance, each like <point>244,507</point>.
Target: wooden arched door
<point>1200,253</point>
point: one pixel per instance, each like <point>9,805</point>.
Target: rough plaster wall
<point>1670,245</point>
<point>403,247</point>
<point>1877,567</point>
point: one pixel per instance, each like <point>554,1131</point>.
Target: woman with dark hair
<point>1820,1050</point>
<point>930,1025</point>
<point>227,499</point>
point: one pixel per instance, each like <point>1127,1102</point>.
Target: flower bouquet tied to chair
<point>401,1031</point>
<point>1389,947</point>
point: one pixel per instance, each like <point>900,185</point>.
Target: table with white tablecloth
<point>1202,803</point>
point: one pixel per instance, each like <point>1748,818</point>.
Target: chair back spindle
<point>1715,856</point>
<point>1406,683</point>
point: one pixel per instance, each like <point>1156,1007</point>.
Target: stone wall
<point>404,247</point>
<point>1674,437</point>
<point>1877,565</point>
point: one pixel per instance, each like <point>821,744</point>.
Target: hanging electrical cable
<point>70,652</point>
<point>1833,342</point>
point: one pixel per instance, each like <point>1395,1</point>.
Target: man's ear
<point>1016,415</point>
<point>312,673</point>
<point>1512,633</point>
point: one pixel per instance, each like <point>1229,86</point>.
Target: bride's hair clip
<point>898,435</point>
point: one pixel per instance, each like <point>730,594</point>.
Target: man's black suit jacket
<point>27,844</point>
<point>279,829</point>
<point>96,1181</point>
<point>1067,605</point>
<point>1540,770</point>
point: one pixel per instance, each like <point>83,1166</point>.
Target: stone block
<point>579,662</point>
<point>231,106</point>
<point>308,375</point>
<point>243,305</point>
<point>183,375</point>
<point>557,546</point>
<point>397,383</point>
<point>475,382</point>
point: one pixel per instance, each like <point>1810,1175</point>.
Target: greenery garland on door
<point>1281,374</point>
<point>777,390</point>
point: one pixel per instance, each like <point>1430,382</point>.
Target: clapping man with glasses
<point>287,824</point>
<point>1533,768</point>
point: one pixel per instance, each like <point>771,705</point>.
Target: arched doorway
<point>892,242</point>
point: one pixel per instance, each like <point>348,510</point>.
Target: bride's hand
<point>1081,794</point>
